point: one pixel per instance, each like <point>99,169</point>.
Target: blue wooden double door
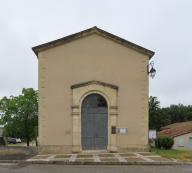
<point>94,123</point>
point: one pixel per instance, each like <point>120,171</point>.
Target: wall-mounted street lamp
<point>151,69</point>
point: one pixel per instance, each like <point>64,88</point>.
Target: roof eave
<point>51,44</point>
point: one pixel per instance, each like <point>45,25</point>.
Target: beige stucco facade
<point>183,142</point>
<point>92,64</point>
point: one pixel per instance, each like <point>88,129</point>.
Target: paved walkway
<point>93,158</point>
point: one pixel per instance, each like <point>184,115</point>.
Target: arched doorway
<point>94,123</point>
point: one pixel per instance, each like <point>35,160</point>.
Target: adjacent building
<point>180,132</point>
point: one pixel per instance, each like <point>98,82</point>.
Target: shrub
<point>164,142</point>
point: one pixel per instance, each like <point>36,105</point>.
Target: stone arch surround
<point>79,92</point>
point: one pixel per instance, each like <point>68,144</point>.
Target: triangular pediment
<point>83,84</point>
<point>90,31</point>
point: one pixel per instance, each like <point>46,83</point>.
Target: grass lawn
<point>17,145</point>
<point>183,155</point>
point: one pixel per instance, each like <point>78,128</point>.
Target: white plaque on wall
<point>152,134</point>
<point>122,130</point>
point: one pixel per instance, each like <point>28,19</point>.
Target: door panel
<point>88,143</point>
<point>100,127</point>
<point>94,123</point>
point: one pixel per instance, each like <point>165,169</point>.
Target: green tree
<point>154,107</point>
<point>19,115</point>
<point>178,113</point>
<point>154,104</point>
<point>157,118</point>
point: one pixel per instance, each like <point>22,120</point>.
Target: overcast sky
<point>164,26</point>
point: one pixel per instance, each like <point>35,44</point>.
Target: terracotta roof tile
<point>176,129</point>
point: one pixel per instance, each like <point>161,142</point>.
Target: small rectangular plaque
<point>113,130</point>
<point>122,130</point>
